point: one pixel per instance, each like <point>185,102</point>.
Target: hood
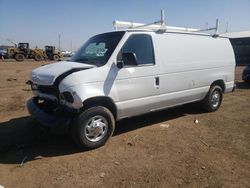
<point>47,74</point>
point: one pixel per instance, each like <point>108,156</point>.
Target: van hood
<point>47,74</point>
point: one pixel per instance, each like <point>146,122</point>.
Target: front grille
<point>52,90</point>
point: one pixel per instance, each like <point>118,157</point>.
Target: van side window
<point>141,45</point>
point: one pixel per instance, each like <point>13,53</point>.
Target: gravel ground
<point>162,149</point>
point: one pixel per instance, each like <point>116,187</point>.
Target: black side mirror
<point>128,59</point>
<point>120,64</point>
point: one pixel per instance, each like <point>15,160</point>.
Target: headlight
<point>66,96</point>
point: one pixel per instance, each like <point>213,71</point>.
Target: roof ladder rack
<point>160,26</point>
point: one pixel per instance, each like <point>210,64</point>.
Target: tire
<point>55,57</point>
<point>213,99</point>
<point>247,81</point>
<point>19,57</point>
<point>38,57</point>
<point>87,136</point>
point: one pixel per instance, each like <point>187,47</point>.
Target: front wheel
<point>213,99</point>
<point>56,57</point>
<point>19,57</point>
<point>38,57</point>
<point>93,127</point>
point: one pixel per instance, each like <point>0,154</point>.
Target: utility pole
<point>71,45</point>
<point>227,27</point>
<point>59,43</point>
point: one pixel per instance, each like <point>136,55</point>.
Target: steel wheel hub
<point>215,99</point>
<point>96,128</point>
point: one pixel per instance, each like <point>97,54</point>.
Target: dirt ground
<point>162,149</point>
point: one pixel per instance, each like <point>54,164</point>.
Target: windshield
<point>98,49</point>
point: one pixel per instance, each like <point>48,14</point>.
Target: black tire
<point>38,57</point>
<point>247,81</point>
<point>19,57</point>
<point>83,132</point>
<point>55,57</point>
<point>213,99</point>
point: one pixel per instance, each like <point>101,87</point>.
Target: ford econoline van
<point>127,73</point>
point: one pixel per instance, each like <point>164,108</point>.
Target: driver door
<point>137,85</point>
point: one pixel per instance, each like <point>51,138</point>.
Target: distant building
<point>241,45</point>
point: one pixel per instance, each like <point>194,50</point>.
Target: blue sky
<point>40,22</point>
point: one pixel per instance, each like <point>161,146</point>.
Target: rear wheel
<point>213,99</point>
<point>19,57</point>
<point>93,127</point>
<point>38,57</point>
<point>56,57</point>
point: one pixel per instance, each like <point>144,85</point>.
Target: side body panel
<point>189,64</point>
<point>186,65</point>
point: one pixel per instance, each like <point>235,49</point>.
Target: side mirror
<point>120,64</point>
<point>128,58</point>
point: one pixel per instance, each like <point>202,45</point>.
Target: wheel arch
<point>220,83</point>
<point>101,101</point>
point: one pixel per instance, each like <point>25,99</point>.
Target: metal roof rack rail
<point>160,26</point>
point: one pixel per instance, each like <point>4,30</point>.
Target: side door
<point>137,84</point>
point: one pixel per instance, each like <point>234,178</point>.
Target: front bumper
<point>57,121</point>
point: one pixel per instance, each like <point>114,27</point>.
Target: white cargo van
<point>127,73</point>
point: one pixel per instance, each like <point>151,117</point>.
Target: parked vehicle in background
<point>52,53</point>
<point>67,53</point>
<point>23,51</point>
<point>127,73</point>
<point>3,54</point>
<point>246,74</point>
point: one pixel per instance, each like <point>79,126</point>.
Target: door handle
<point>157,82</point>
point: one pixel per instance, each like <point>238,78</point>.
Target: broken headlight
<point>66,96</point>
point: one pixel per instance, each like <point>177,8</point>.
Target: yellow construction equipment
<point>22,51</point>
<point>52,53</point>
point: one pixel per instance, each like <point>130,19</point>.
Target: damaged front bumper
<point>52,116</point>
